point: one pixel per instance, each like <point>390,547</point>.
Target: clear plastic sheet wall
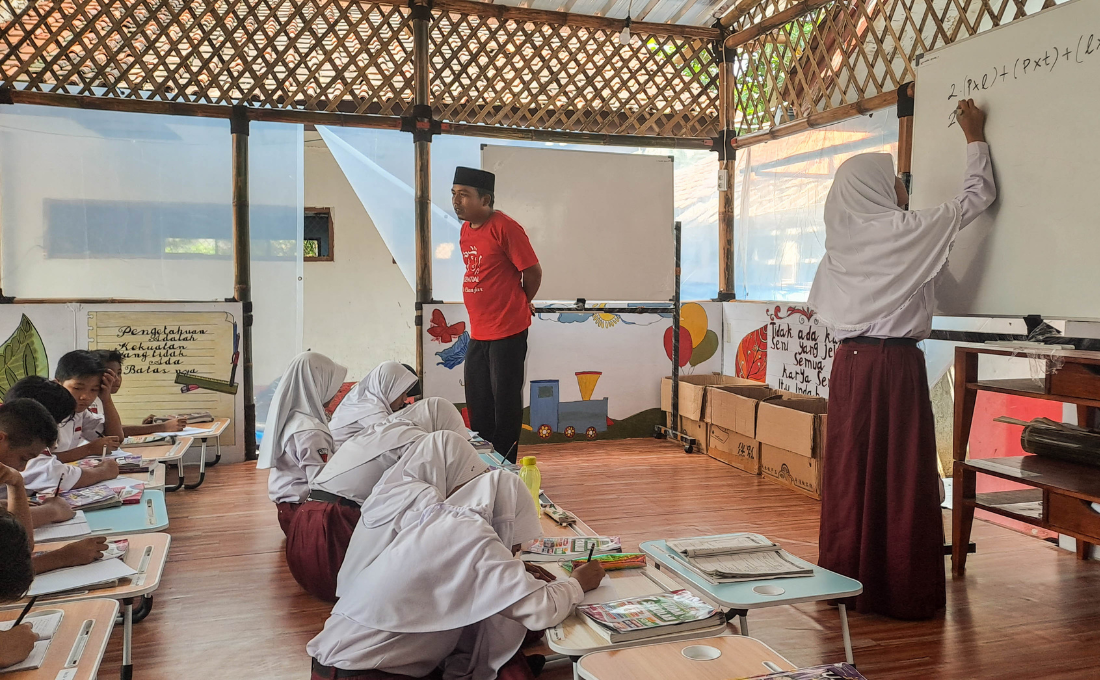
<point>379,166</point>
<point>123,206</point>
<point>780,190</point>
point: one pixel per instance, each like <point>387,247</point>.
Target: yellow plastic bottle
<point>532,479</point>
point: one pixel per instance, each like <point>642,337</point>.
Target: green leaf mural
<point>22,354</point>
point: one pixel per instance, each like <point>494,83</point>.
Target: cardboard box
<point>697,430</point>
<point>734,449</point>
<point>793,423</point>
<point>792,470</point>
<point>733,407</point>
<point>693,392</point>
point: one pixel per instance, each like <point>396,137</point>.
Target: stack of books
<point>736,557</point>
<point>639,618</point>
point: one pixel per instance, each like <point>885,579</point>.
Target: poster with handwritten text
<point>157,345</point>
<point>800,350</point>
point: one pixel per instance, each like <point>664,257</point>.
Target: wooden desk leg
<point>963,495</point>
<point>127,633</point>
<point>848,656</point>
<point>962,515</point>
<point>1083,549</point>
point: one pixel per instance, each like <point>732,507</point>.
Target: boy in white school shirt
<point>112,359</point>
<point>86,434</point>
<point>45,473</point>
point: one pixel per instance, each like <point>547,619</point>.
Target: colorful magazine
<point>92,497</point>
<point>637,618</point>
<point>832,671</point>
<point>571,547</point>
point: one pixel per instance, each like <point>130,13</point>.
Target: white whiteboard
<point>1036,250</point>
<point>600,223</point>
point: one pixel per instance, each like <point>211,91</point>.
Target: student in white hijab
<point>880,516</point>
<point>321,530</point>
<point>373,399</point>
<point>296,438</point>
<point>449,594</point>
<point>431,470</point>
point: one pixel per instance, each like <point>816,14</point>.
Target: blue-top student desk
<point>150,514</point>
<point>746,595</point>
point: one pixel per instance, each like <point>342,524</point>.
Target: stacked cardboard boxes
<point>693,391</point>
<point>791,430</point>
<point>731,419</point>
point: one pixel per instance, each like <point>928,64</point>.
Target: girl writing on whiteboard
<point>880,512</point>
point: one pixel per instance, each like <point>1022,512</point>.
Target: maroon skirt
<point>316,543</point>
<point>286,514</point>
<point>880,507</point>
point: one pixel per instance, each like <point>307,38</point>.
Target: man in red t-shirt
<point>502,276</point>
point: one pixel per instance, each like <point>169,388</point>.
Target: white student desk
<point>77,647</point>
<point>214,431</point>
<point>738,657</point>
<point>147,554</point>
<point>167,453</point>
<point>153,479</point>
<point>148,514</point>
<point>575,638</point>
<point>746,595</point>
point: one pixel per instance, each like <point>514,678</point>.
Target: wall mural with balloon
<point>590,375</point>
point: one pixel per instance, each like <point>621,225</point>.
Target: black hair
<point>109,356</point>
<point>58,402</point>
<point>17,570</point>
<point>79,363</point>
<point>481,193</point>
<point>415,390</point>
<point>26,421</point>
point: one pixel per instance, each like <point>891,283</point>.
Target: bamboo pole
<point>905,135</point>
<point>775,21</point>
<point>423,176</point>
<point>727,167</point>
<point>564,137</point>
<point>77,101</point>
<point>242,268</point>
<point>739,10</point>
<point>821,119</point>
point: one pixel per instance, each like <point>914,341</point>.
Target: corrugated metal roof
<point>686,12</point>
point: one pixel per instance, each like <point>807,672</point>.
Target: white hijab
<point>430,470</point>
<point>369,401</point>
<point>395,433</point>
<point>451,569</point>
<point>877,255</point>
<point>298,405</point>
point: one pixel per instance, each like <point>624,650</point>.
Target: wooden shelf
<point>1027,388</point>
<point>1013,504</point>
<point>1069,479</point>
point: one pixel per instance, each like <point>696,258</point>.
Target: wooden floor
<point>229,608</point>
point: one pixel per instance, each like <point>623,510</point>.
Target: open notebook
<point>44,623</point>
<point>80,578</point>
<point>75,527</point>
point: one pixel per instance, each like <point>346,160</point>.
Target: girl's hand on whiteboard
<point>972,121</point>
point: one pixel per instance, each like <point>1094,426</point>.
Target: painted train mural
<point>549,414</point>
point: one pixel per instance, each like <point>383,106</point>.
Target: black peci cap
<point>478,179</point>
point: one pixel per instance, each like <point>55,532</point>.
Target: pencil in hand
<point>591,549</point>
<point>23,614</point>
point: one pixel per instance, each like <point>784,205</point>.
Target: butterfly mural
<point>441,332</point>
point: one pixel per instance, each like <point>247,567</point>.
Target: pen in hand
<point>591,550</point>
<point>26,609</point>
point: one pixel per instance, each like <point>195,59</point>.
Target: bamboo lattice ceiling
<point>491,65</point>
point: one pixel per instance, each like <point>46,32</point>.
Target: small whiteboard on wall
<point>1035,251</point>
<point>600,223</point>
